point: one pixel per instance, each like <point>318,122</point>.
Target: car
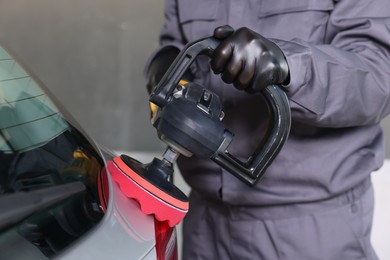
<point>57,196</point>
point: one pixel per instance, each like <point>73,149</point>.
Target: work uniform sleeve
<point>170,34</point>
<point>345,82</point>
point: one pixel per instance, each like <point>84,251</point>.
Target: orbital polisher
<point>189,121</point>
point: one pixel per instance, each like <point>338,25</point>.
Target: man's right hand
<point>159,66</point>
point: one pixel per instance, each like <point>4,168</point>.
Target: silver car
<point>57,197</point>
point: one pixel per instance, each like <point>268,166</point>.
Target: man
<point>333,59</point>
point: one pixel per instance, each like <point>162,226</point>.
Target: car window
<point>25,108</point>
<point>42,153</point>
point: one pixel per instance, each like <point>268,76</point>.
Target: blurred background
<point>91,55</point>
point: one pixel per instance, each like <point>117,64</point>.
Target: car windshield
<point>48,170</point>
<point>28,117</point>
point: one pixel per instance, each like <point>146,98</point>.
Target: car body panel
<point>34,127</point>
<point>124,232</point>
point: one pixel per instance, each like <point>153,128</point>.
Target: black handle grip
<point>171,78</point>
<point>254,168</point>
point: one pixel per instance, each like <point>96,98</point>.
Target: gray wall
<point>91,54</point>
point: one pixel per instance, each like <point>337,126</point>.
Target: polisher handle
<point>163,91</point>
<point>254,167</point>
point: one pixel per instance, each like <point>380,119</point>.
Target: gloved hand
<point>157,69</point>
<point>248,60</point>
<point>159,66</point>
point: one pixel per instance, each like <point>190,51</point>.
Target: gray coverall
<point>315,201</point>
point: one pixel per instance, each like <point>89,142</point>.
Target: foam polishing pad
<point>154,193</point>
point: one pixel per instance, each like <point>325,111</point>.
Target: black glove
<point>159,66</point>
<point>157,69</point>
<point>248,60</point>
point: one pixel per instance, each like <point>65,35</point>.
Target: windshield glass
<point>28,117</point>
<point>40,150</point>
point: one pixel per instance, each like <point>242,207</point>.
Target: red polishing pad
<point>152,198</point>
